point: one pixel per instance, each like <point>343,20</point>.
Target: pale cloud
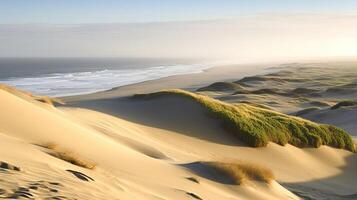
<point>263,36</point>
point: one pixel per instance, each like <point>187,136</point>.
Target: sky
<point>249,29</point>
<point>114,11</point>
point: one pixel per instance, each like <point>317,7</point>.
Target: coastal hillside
<point>52,154</point>
<point>178,100</point>
<point>170,144</point>
<point>292,87</point>
<point>256,126</point>
<point>343,116</point>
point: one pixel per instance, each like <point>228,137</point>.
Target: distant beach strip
<point>66,84</point>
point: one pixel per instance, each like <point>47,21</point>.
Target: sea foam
<point>67,84</point>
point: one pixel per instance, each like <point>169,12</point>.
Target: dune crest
<point>257,126</point>
<point>28,95</point>
<point>172,145</point>
<point>122,171</point>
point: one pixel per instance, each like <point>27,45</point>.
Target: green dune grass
<point>253,104</point>
<point>243,172</point>
<point>258,126</point>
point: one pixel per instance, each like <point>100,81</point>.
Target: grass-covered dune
<point>258,126</point>
<point>254,104</point>
<point>221,86</point>
<point>269,78</point>
<point>344,104</point>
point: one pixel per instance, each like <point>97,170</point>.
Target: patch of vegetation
<point>254,104</point>
<point>68,156</point>
<point>344,104</point>
<point>258,126</point>
<point>21,93</point>
<point>242,172</point>
<point>48,100</point>
<point>221,86</point>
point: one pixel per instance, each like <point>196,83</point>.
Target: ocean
<point>72,76</point>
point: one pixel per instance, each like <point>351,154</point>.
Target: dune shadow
<point>338,187</point>
<point>80,175</point>
<point>178,114</point>
<point>209,172</point>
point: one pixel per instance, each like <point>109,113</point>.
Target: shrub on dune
<point>47,100</point>
<point>258,126</point>
<point>68,156</point>
<point>242,172</point>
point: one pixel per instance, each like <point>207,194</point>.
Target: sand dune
<point>134,167</point>
<point>222,86</point>
<point>189,135</point>
<point>342,117</point>
<point>111,146</point>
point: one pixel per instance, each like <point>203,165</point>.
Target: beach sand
<point>108,145</point>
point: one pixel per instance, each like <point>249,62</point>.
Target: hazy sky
<point>114,11</point>
<point>249,29</point>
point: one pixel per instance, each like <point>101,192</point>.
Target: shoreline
<point>87,80</point>
<point>216,73</point>
<point>188,81</point>
<point>111,139</point>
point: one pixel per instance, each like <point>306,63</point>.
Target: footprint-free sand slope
<point>129,163</point>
